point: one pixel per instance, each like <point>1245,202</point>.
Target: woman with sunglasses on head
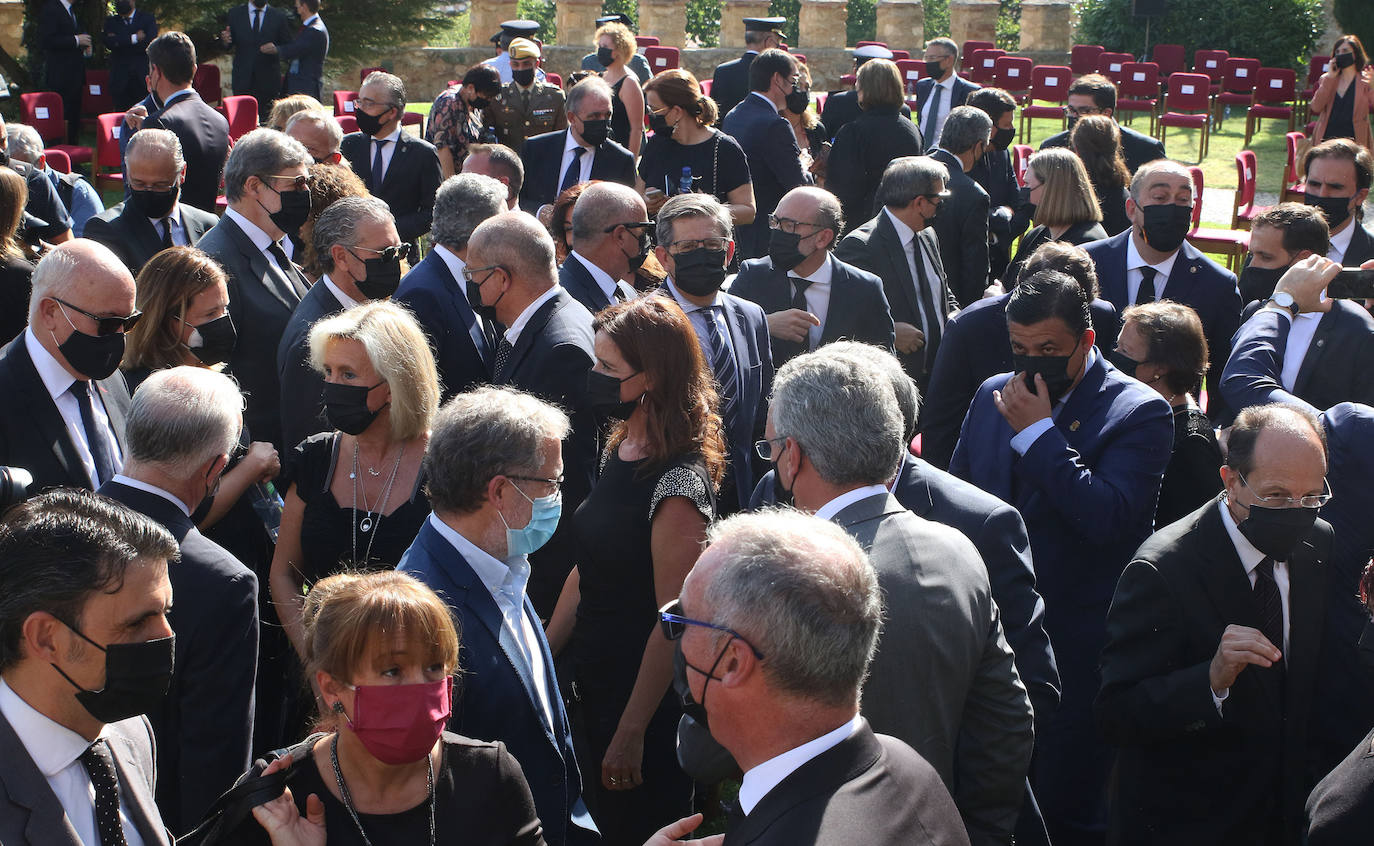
<point>1344,97</point>
<point>639,532</point>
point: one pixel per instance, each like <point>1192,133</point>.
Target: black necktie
<point>619,294</point>
<point>166,232</point>
<point>925,290</point>
<point>928,136</point>
<point>279,255</point>
<point>378,165</point>
<point>97,434</point>
<point>503,351</point>
<point>257,21</point>
<point>574,173</point>
<point>1269,603</point>
<point>799,286</point>
<point>99,764</point>
<point>1146,293</point>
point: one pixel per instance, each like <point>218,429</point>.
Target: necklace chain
<point>370,521</point>
<point>348,797</point>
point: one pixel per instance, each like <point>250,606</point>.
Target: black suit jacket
<point>1184,772</point>
<point>129,59</point>
<point>842,108</point>
<point>257,73</point>
<point>306,53</point>
<point>774,165</point>
<point>577,280</point>
<point>870,788</point>
<point>412,176</point>
<point>1361,247</point>
<point>135,239</point>
<point>858,308</point>
<point>262,298</point>
<point>958,96</point>
<point>1136,147</point>
<point>542,156</point>
<point>439,302</point>
<point>204,136</point>
<point>205,729</point>
<point>730,82</point>
<point>862,151</point>
<point>962,226</point>
<point>997,176</point>
<point>302,387</point>
<point>877,248</point>
<point>32,432</point>
<point>64,64</point>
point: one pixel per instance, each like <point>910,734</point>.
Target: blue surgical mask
<point>544,515</point>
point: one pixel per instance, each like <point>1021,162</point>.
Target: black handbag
<point>252,789</point>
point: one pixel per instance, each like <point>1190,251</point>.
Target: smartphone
<point>1352,283</point>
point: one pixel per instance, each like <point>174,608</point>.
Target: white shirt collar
<point>570,142</point>
<point>173,216</point>
<point>176,95</point>
<point>152,489</point>
<point>489,569</point>
<point>1249,556</point>
<point>770,103</point>
<point>603,279</point>
<point>844,500</point>
<point>513,333</point>
<point>768,775</point>
<point>395,133</point>
<point>344,299</point>
<point>821,275</point>
<point>451,259</point>
<point>1340,242</point>
<point>313,18</point>
<point>52,746</point>
<point>688,306</point>
<point>260,239</point>
<point>55,377</point>
<point>906,233</point>
<point>1135,262</point>
<point>948,82</point>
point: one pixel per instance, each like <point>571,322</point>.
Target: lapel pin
<point>1193,269</point>
<point>1073,427</point>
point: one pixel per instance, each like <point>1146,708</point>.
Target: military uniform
<point>520,113</point>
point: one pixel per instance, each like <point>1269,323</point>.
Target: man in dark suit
<point>45,215</point>
<point>812,298</point>
<point>67,403</point>
<point>545,349</point>
<point>1155,252</point>
<point>611,237</point>
<point>127,33</point>
<point>1081,457</point>
<point>944,679</point>
<point>1008,209</point>
<point>247,28</point>
<point>977,346</point>
<point>81,573</point>
<point>396,166</point>
<point>266,184</point>
<point>1280,237</point>
<point>962,225</point>
<point>66,45</point>
<point>360,253</point>
<point>151,219</point>
<point>305,53</point>
<point>556,161</point>
<point>435,292</point>
<point>510,689</point>
<point>768,142</point>
<point>732,331</point>
<point>730,81</point>
<point>1095,94</point>
<point>941,90</point>
<point>900,247</point>
<point>841,107</point>
<point>203,131</point>
<point>1230,601</point>
<point>1338,176</point>
<point>797,592</point>
<point>183,425</point>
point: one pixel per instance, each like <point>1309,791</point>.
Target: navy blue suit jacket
<point>542,156</point>
<point>858,306</point>
<point>577,280</point>
<point>306,54</point>
<point>498,699</point>
<point>302,386</point>
<point>440,303</point>
<point>774,165</point>
<point>730,82</point>
<point>129,60</point>
<point>204,136</point>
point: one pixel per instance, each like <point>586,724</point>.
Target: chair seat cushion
<point>1186,121</point>
<point>1271,111</point>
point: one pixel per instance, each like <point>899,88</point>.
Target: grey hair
<point>393,85</point>
<point>517,241</point>
<point>803,593</point>
<point>584,89</point>
<point>25,144</point>
<point>692,205</point>
<point>484,433</point>
<point>842,411</point>
<point>162,141</point>
<point>340,222</point>
<point>182,417</point>
<point>62,270</point>
<point>903,386</point>
<point>321,118</point>
<point>262,153</point>
<point>601,205</point>
<point>946,43</point>
<point>1152,167</point>
<point>462,202</point>
<point>965,127</point>
<point>829,213</point>
<point>907,178</point>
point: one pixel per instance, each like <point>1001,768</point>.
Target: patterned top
<point>453,125</point>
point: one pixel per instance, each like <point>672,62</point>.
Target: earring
<point>337,707</point>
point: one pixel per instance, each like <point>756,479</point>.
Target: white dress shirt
<point>1295,350</point>
<point>848,498</point>
<point>388,150</point>
<point>1023,440</point>
<point>58,383</point>
<point>260,239</point>
<point>174,220</point>
<point>56,751</point>
<point>911,249</point>
<point>1250,559</point>
<point>152,489</point>
<point>1340,242</point>
<point>1133,275</point>
<point>817,297</point>
<point>603,279</point>
<point>768,775</point>
<point>513,333</point>
<point>344,299</point>
<point>584,163</point>
<point>946,103</point>
<point>698,315</point>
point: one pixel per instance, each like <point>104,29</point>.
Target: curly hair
<point>329,183</point>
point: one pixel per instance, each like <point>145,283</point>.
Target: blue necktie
<point>574,174</point>
<point>722,365</point>
<point>378,165</point>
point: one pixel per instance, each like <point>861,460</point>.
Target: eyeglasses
<point>1310,501</point>
<point>674,625</point>
<point>765,449</point>
<point>401,251</point>
<point>661,112</point>
<point>105,325</point>
<point>635,224</point>
<point>469,272</point>
<point>298,183</point>
<point>677,248</point>
<point>1083,111</point>
<point>557,483</point>
<point>788,225</point>
<point>368,102</point>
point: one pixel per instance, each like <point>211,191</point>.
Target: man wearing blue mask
<point>494,468</point>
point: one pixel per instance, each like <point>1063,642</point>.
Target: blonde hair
<point>14,195</point>
<point>1068,197</point>
<point>622,40</point>
<point>164,288</point>
<point>879,84</point>
<point>398,350</point>
<point>283,109</point>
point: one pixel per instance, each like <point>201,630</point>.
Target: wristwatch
<point>1284,300</point>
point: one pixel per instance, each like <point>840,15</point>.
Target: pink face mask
<point>400,723</point>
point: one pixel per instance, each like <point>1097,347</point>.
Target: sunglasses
<point>674,625</point>
<point>298,183</point>
<point>401,251</point>
<point>105,325</point>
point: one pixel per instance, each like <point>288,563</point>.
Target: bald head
<point>601,206</point>
<point>88,277</point>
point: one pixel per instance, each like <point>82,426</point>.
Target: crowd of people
<point>617,457</point>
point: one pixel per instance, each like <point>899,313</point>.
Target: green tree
<point>1280,33</point>
<point>937,19</point>
<point>863,22</point>
<point>703,22</point>
<point>1356,17</point>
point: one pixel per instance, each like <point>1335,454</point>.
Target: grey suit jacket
<point>30,813</point>
<point>944,679</point>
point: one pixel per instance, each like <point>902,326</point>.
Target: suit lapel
<point>149,240</point>
<point>841,307</point>
<point>398,159</point>
<point>888,241</point>
<point>50,425</point>
<point>113,395</point>
<point>457,291</point>
<point>1183,274</point>
<point>134,794</point>
<point>532,329</point>
<point>363,163</point>
<point>1112,274</point>
<point>1328,326</point>
<point>274,280</point>
<point>26,787</point>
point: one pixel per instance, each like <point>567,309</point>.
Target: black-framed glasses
<point>1309,501</point>
<point>632,224</point>
<point>104,325</point>
<point>788,225</point>
<point>557,483</point>
<point>764,448</point>
<point>401,251</point>
<point>469,272</point>
<point>942,195</point>
<point>674,625</point>
<point>298,183</point>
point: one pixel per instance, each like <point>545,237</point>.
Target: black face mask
<point>930,221</point>
<point>1336,209</point>
<point>382,277</point>
<point>294,211</point>
<point>595,132</point>
<point>784,249</point>
<point>137,676</point>
<point>604,57</point>
<point>1002,138</point>
<point>636,260</point>
<point>690,706</point>
<point>659,124</point>
<point>1054,369</point>
<point>1260,282</point>
<point>1277,531</point>
<point>1166,226</point>
<point>474,292</point>
<point>93,356</point>
<point>1345,60</point>
<point>797,101</point>
<point>479,102</point>
<point>524,78</point>
<point>603,393</point>
<point>154,204</point>
<point>699,272</point>
<point>1123,362</point>
<point>1072,120</point>
<point>213,342</point>
<point>934,69</point>
<point>345,407</point>
<point>781,495</point>
<point>368,124</point>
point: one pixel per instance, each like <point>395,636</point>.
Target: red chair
<point>96,98</point>
<point>1233,245</point>
<point>1187,105</point>
<point>1138,91</point>
<point>900,54</point>
<point>242,112</point>
<point>1294,185</point>
<point>1243,211</point>
<point>849,80</point>
<point>662,58</point>
<point>706,86</point>
<point>911,71</point>
<point>1013,75</point>
<point>1110,65</point>
<point>413,119</point>
<point>982,64</point>
<point>553,79</point>
<point>1237,86</point>
<point>969,47</point>
<point>1020,154</point>
<point>343,102</point>
<point>207,84</point>
<point>362,74</point>
<point>646,40</point>
<point>1049,84</point>
<point>1171,58</point>
<point>1083,58</point>
<point>798,56</point>
<point>1274,93</point>
<point>43,111</point>
<point>58,160</point>
<point>348,123</point>
<point>871,44</point>
<point>1213,64</point>
<point>107,156</point>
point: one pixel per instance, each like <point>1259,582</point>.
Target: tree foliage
<point>1280,33</point>
<point>703,22</point>
<point>1356,17</point>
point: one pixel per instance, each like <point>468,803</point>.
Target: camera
<point>14,485</point>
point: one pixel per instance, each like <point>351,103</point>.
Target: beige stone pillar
<point>902,24</point>
<point>11,25</point>
<point>973,20</point>
<point>577,22</point>
<point>666,19</point>
<point>822,23</point>
<point>1046,26</point>
<point>732,15</point>
<point>486,19</point>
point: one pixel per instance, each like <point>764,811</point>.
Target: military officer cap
<point>872,51</point>
<point>764,24</point>
<point>516,29</point>
<point>620,18</point>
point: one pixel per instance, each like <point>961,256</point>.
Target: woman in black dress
<point>16,258</point>
<point>615,46</point>
<point>1065,209</point>
<point>639,532</point>
<point>1162,345</point>
<point>867,144</point>
<point>354,496</point>
<point>1097,141</point>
